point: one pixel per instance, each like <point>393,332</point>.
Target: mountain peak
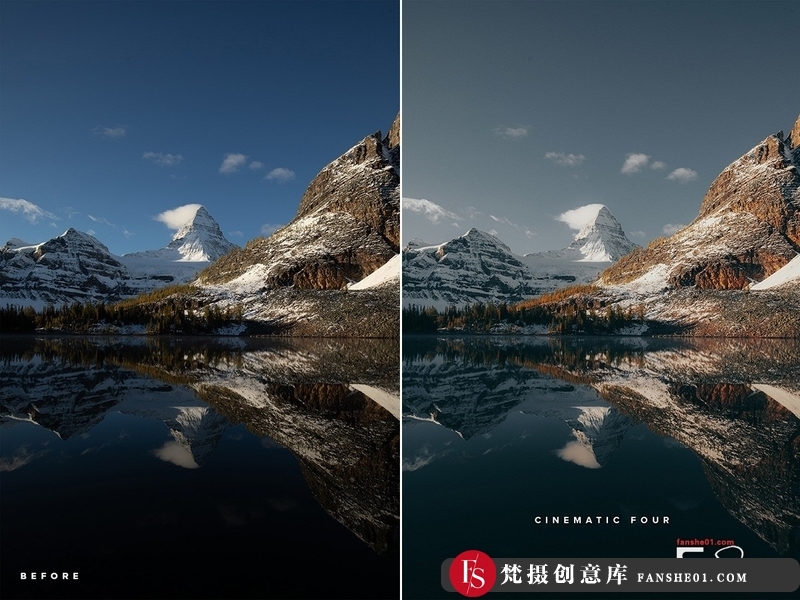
<point>200,239</point>
<point>763,182</point>
<point>201,219</point>
<point>73,236</point>
<point>748,226</point>
<point>476,236</point>
<point>364,183</point>
<point>602,238</point>
<point>603,216</point>
<point>794,135</point>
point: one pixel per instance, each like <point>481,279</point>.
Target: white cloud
<point>163,160</point>
<point>109,133</point>
<point>432,211</point>
<point>493,232</point>
<point>578,217</point>
<point>565,160</point>
<point>280,174</point>
<point>128,234</point>
<point>657,164</point>
<point>102,220</point>
<point>511,133</point>
<point>255,165</point>
<point>634,163</point>
<point>267,229</point>
<point>237,233</point>
<point>682,175</point>
<point>504,220</point>
<point>231,163</point>
<point>672,228</point>
<point>30,211</point>
<point>176,218</point>
<point>638,234</point>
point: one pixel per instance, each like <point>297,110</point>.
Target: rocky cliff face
<point>748,226</point>
<point>347,225</point>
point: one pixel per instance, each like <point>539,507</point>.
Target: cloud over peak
<point>175,218</point>
<point>578,217</point>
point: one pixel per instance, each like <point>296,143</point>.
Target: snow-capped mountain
<point>76,267</point>
<point>478,267</point>
<point>71,267</point>
<point>748,226</point>
<point>198,240</point>
<point>600,240</point>
<point>733,271</point>
<point>347,225</point>
<point>305,277</point>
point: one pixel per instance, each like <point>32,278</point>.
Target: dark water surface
<point>205,468</point>
<point>501,435</point>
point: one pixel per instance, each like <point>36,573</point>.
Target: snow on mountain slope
<point>388,274</point>
<point>197,244</point>
<point>478,267</point>
<point>602,239</point>
<point>198,240</point>
<point>789,275</point>
<point>747,228</point>
<point>347,225</point>
<point>73,266</point>
<point>76,267</point>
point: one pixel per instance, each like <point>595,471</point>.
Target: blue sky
<point>113,112</point>
<point>516,112</point>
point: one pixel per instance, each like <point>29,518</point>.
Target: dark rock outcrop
<point>347,224</point>
<point>748,226</point>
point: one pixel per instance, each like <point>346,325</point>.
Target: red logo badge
<point>473,573</point>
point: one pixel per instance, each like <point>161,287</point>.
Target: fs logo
<point>473,573</point>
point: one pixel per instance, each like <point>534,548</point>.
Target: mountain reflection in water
<point>311,397</point>
<point>734,403</point>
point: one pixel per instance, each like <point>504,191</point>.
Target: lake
<point>199,467</point>
<point>508,442</point>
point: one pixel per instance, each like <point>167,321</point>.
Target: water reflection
<point>333,404</point>
<point>734,403</point>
